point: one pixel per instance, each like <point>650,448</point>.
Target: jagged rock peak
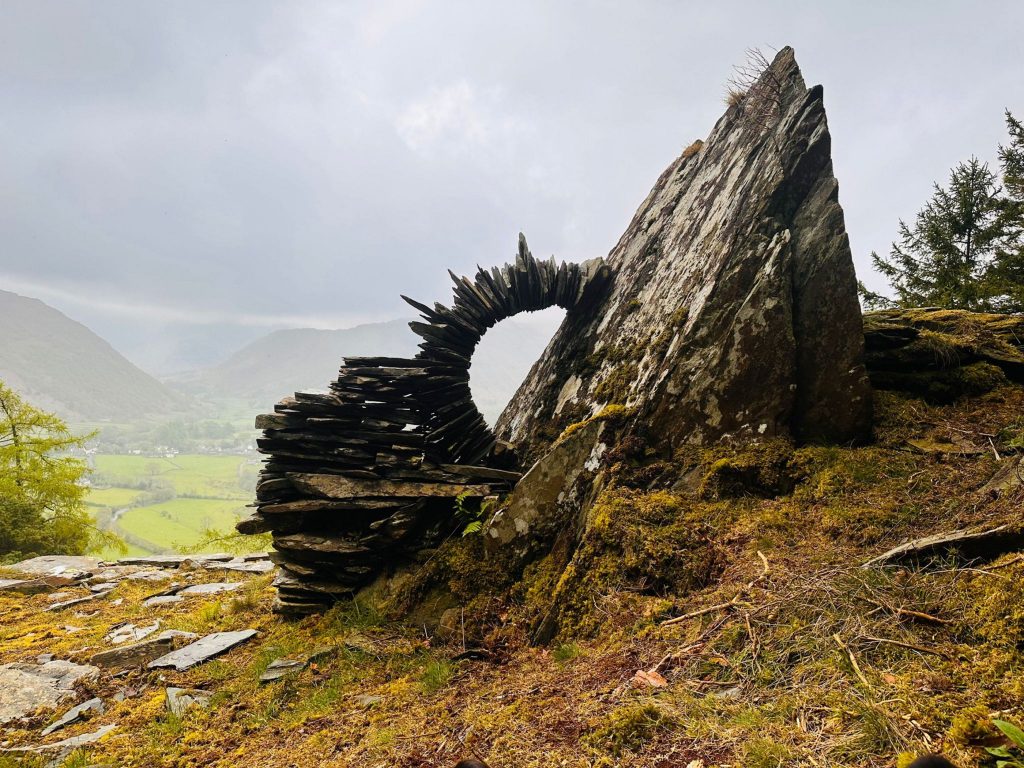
<point>733,308</point>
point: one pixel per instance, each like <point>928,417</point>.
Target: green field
<point>161,505</point>
<point>190,475</point>
<point>111,497</point>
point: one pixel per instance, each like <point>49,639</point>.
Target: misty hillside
<point>60,365</point>
<point>307,358</point>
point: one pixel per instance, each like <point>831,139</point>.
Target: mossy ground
<point>813,661</point>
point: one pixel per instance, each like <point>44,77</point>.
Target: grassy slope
<point>803,667</point>
<point>191,475</point>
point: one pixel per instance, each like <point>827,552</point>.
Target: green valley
<point>160,504</point>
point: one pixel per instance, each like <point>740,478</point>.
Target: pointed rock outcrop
<point>733,309</point>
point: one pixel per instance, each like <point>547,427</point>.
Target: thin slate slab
<point>36,585</point>
<point>142,652</point>
<point>152,602</point>
<point>213,588</point>
<point>152,574</point>
<point>67,744</point>
<point>173,561</point>
<point>73,715</point>
<point>127,633</point>
<point>242,565</point>
<point>203,649</point>
<point>57,565</point>
<point>279,668</point>
<point>77,601</point>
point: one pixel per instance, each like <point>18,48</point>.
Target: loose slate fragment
<point>37,585</point>
<point>77,601</point>
<point>127,633</point>
<point>66,745</point>
<point>202,650</point>
<point>142,652</point>
<point>179,700</point>
<point>172,561</point>
<point>73,715</point>
<point>279,668</point>
<point>243,565</point>
<point>158,600</point>
<point>213,588</point>
<point>57,565</point>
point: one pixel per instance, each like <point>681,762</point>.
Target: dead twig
<point>909,646</point>
<point>853,660</point>
<point>727,605</point>
<point>1011,561</point>
<point>702,611</point>
<point>969,431</point>
<point>907,612</point>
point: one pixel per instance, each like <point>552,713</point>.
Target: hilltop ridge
<point>58,364</point>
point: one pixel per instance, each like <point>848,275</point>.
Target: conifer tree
<point>944,258</point>
<point>1006,278</point>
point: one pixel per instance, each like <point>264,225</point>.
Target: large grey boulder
<point>733,308</point>
<point>556,483</point>
<point>24,688</point>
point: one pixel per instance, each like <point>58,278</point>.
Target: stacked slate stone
<point>454,427</point>
<point>364,477</point>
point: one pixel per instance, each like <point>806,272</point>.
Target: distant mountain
<point>283,362</point>
<point>60,365</point>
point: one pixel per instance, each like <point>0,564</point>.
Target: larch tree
<point>42,508</point>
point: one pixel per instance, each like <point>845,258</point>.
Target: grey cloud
<point>307,161</point>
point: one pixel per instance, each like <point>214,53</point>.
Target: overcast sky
<point>182,165</point>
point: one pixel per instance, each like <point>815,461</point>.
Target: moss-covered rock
<point>646,543</point>
<point>760,469</point>
<point>943,354</point>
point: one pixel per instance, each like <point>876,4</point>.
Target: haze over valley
<point>173,456</point>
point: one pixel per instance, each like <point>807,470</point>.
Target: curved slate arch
<point>362,477</point>
<point>455,430</point>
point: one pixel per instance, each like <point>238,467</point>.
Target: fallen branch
<point>700,612</point>
<point>969,545</point>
